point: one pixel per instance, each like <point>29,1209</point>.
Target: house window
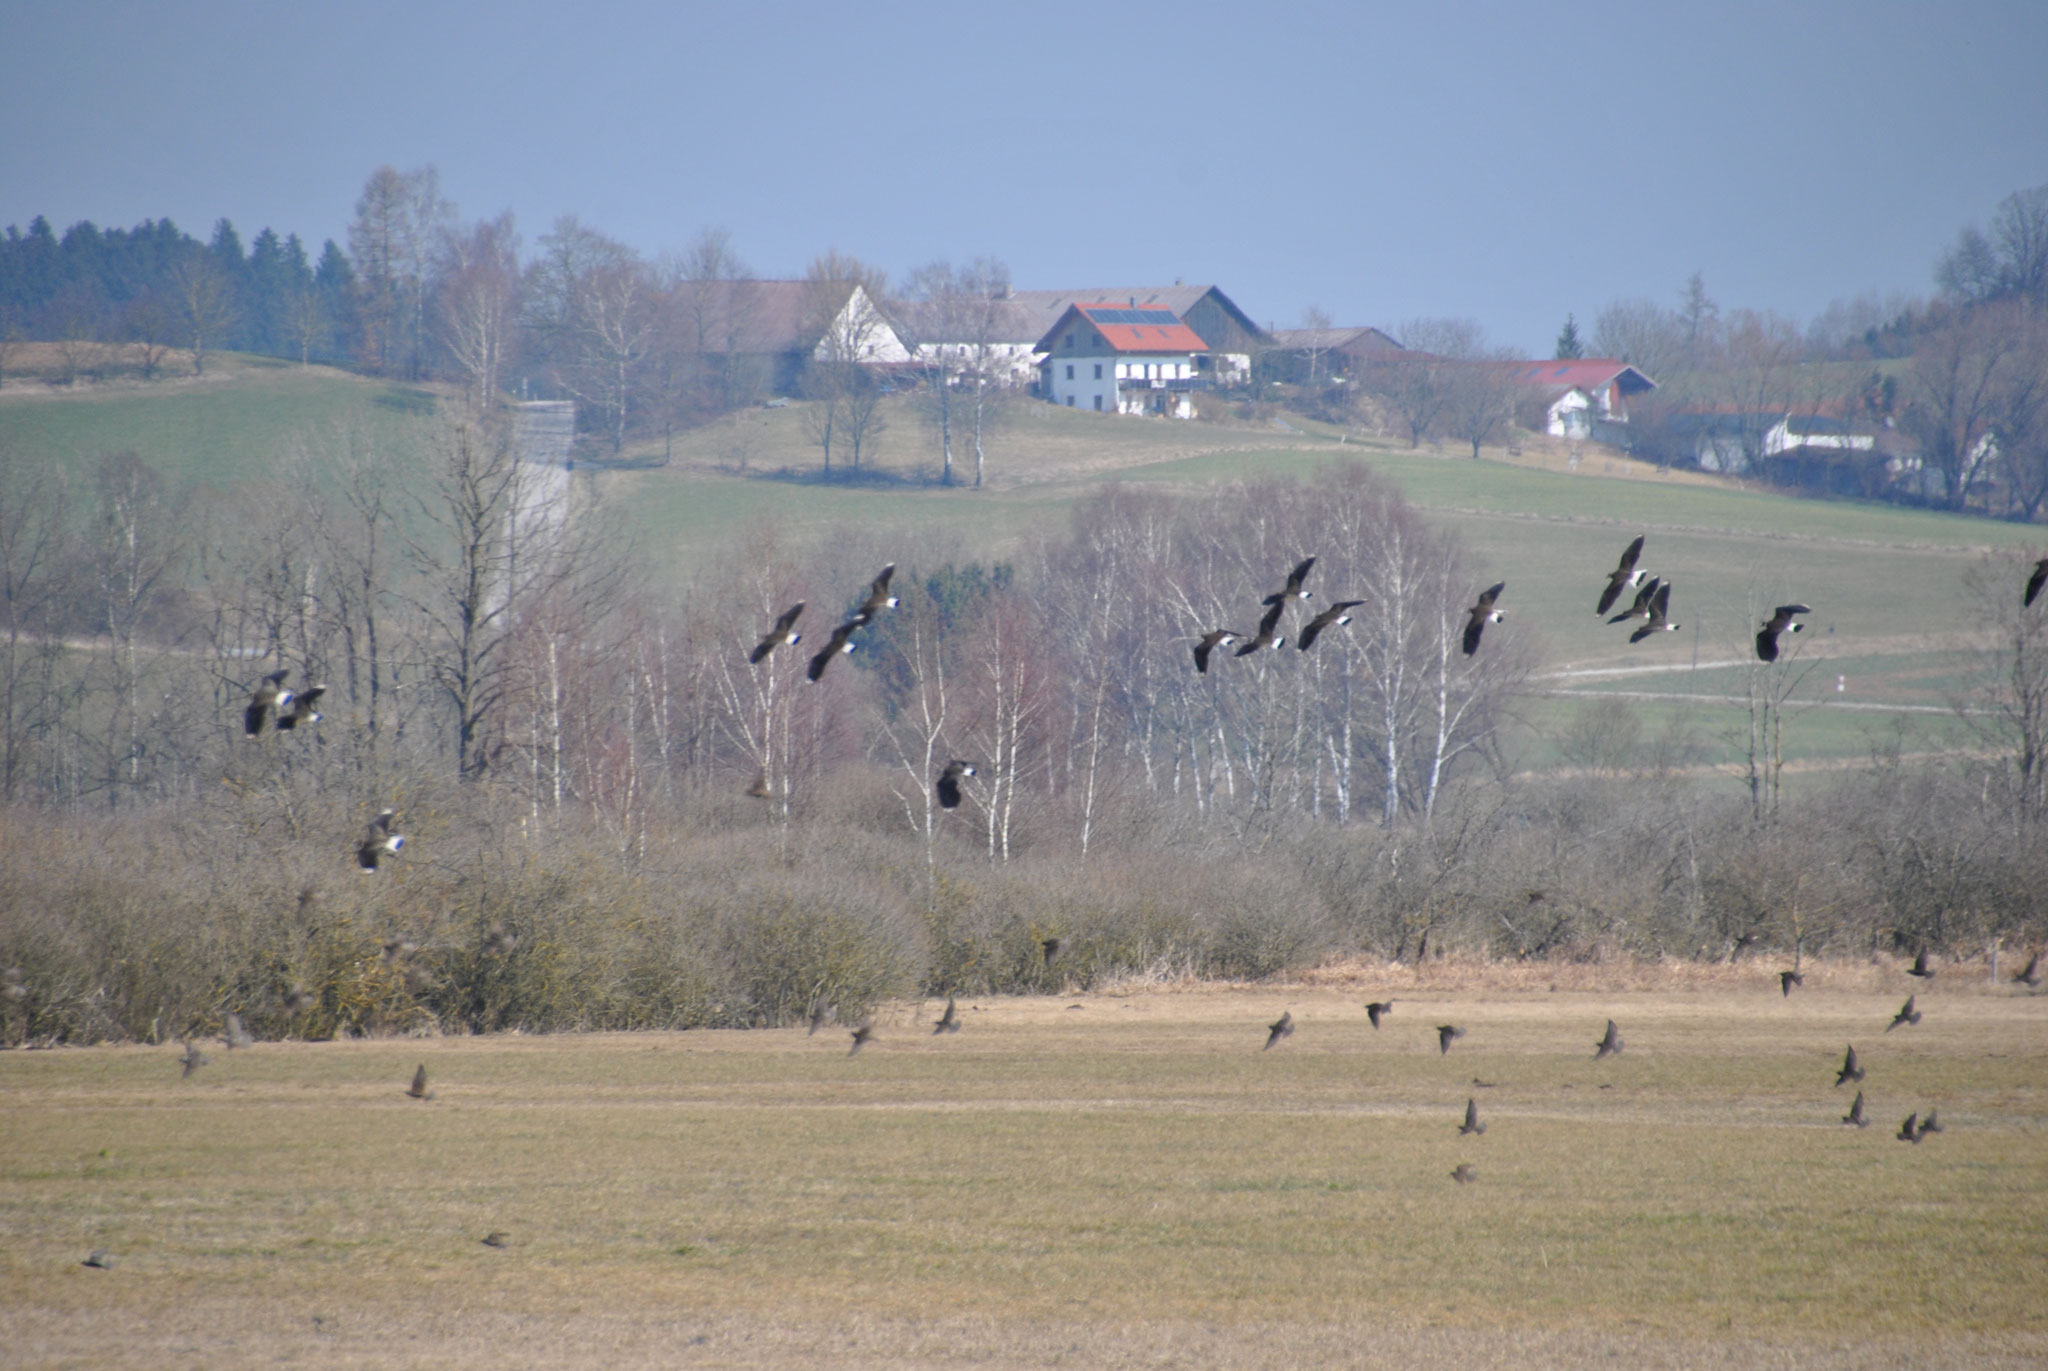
<point>1098,371</point>
<point>1070,371</point>
<point>1098,401</point>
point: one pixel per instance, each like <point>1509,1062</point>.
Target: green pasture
<point>1132,1171</point>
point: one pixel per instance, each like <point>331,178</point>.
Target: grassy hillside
<point>1885,583</point>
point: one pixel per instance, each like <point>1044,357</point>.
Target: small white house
<point>1122,359</point>
<point>1588,394</point>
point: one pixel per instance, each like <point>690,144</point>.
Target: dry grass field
<point>1116,1179</point>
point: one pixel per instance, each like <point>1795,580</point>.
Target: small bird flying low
<point>1608,1045</point>
<point>1292,590</point>
<point>840,641</point>
<point>1854,1118</point>
<point>1919,967</point>
<point>1623,577</point>
<point>862,1036</point>
<point>1640,607</point>
<point>1788,979</point>
<point>1446,1034</point>
<point>949,783</point>
<point>1336,616</point>
<point>191,1061</point>
<point>1464,1174</point>
<point>949,1022</point>
<point>1222,637</point>
<point>1377,1010</point>
<point>1850,1071</point>
<point>299,710</point>
<point>1471,1124</point>
<point>1051,947</point>
<point>879,597</point>
<point>418,1089</point>
<point>783,632</point>
<point>1660,616</point>
<point>2034,583</point>
<point>1269,631</point>
<point>269,695</point>
<point>1482,614</point>
<point>1779,622</point>
<point>1909,1131</point>
<point>1906,1015</point>
<point>2030,977</point>
<point>378,841</point>
<point>1282,1027</point>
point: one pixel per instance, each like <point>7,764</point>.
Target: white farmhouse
<point>1121,358</point>
<point>1587,397</point>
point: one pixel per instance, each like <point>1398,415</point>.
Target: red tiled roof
<point>1148,328</point>
<point>1586,373</point>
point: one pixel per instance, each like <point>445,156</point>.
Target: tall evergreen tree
<point>1569,346</point>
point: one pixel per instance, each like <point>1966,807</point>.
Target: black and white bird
<point>1292,590</point>
<point>1660,616</point>
<point>1906,1015</point>
<point>1269,634</point>
<point>268,697</point>
<point>949,783</point>
<point>1640,607</point>
<point>2031,976</point>
<point>879,597</point>
<point>1222,637</point>
<point>784,632</point>
<point>1471,1124</point>
<point>1779,622</point>
<point>1446,1034</point>
<point>1464,1174</point>
<point>1282,1027</point>
<point>299,709</point>
<point>1623,577</point>
<point>1336,616</point>
<point>418,1089</point>
<point>2034,583</point>
<point>1854,1117</point>
<point>840,642</point>
<point>1609,1044</point>
<point>378,841</point>
<point>1919,967</point>
<point>1788,979</point>
<point>1482,614</point>
<point>862,1036</point>
<point>1377,1010</point>
<point>1850,1071</point>
<point>949,1022</point>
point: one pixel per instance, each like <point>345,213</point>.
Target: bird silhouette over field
<point>820,1015</point>
<point>1378,1010</point>
<point>1051,948</point>
<point>378,841</point>
<point>268,697</point>
<point>1851,1070</point>
<point>1481,614</point>
<point>1446,1034</point>
<point>783,633</point>
<point>99,1259</point>
<point>497,1237</point>
<point>1788,979</point>
<point>2030,976</point>
<point>1919,967</point>
<point>1464,1174</point>
<point>1609,1044</point>
<point>949,783</point>
<point>1930,1124</point>
<point>1907,1015</point>
<point>1292,590</point>
<point>949,1022</point>
<point>192,1060</point>
<point>1660,616</point>
<point>2034,583</point>
<point>1779,622</point>
<point>1855,1115</point>
<point>1909,1131</point>
<point>418,1089</point>
<point>1336,616</point>
<point>1269,634</point>
<point>1623,577</point>
<point>1640,607</point>
<point>862,1036</point>
<point>1471,1124</point>
<point>1222,637</point>
<point>1282,1027</point>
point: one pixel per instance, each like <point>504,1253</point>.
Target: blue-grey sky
<point>1503,162</point>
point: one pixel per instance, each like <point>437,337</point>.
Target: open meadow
<point>1113,1179</point>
